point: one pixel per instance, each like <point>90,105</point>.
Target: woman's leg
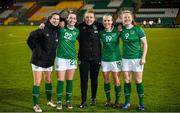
<point>117,87</point>
<point>69,86</point>
<point>127,88</point>
<point>94,71</point>
<point>107,87</point>
<point>84,71</point>
<point>48,85</point>
<point>140,89</point>
<point>37,75</point>
<point>60,83</point>
<point>48,88</point>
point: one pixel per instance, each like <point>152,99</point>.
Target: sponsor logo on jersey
<point>127,35</point>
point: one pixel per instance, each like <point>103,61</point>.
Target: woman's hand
<point>142,61</point>
<point>41,26</point>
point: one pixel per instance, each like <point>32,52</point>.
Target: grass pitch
<point>161,75</point>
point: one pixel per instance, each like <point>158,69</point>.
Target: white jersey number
<point>108,38</point>
<point>68,36</point>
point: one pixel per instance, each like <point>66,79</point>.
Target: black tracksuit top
<point>43,43</point>
<point>89,41</point>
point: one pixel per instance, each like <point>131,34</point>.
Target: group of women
<point>98,45</point>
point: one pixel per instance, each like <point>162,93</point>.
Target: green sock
<point>107,89</point>
<point>59,90</point>
<point>117,93</point>
<point>48,88</point>
<point>127,92</point>
<point>69,85</point>
<point>140,91</point>
<point>35,94</point>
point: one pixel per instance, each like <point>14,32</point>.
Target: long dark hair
<point>53,15</point>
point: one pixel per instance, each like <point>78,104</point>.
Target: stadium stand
<point>45,11</point>
<point>27,11</point>
<point>101,7</point>
<point>6,13</point>
<point>152,10</point>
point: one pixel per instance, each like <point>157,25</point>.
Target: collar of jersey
<point>129,27</point>
<point>110,29</point>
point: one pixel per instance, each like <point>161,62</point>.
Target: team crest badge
<point>47,35</point>
<point>94,27</point>
<point>114,34</point>
<point>74,33</point>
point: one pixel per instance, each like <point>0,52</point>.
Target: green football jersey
<point>66,47</point>
<point>110,45</point>
<point>132,42</point>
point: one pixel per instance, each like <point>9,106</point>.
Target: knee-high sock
<point>60,85</point>
<point>140,91</point>
<point>107,89</point>
<point>48,88</point>
<point>69,86</point>
<point>35,94</point>
<point>127,92</point>
<point>117,93</point>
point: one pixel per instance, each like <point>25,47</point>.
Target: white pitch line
<point>12,43</point>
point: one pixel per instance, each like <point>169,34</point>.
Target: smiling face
<point>107,21</point>
<point>54,20</point>
<point>89,18</point>
<point>71,19</point>
<point>127,18</point>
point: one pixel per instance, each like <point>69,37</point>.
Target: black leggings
<point>84,68</point>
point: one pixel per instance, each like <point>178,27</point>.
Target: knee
<point>37,82</point>
<point>117,82</point>
<point>127,80</point>
<point>48,80</point>
<point>106,80</point>
<point>138,80</point>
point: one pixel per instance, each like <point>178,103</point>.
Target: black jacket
<point>43,44</point>
<point>89,41</point>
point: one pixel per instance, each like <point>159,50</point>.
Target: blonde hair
<point>129,12</point>
<point>107,15</point>
<point>89,10</point>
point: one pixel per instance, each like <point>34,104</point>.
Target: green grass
<point>161,75</point>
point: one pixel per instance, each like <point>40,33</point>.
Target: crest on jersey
<point>74,33</point>
<point>114,34</point>
<point>84,27</point>
<point>94,27</point>
<point>47,35</point>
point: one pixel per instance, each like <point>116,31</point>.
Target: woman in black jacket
<point>43,43</point>
<point>89,55</point>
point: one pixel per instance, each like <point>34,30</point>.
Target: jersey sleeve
<point>141,32</point>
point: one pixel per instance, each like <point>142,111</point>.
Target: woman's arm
<point>145,47</point>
